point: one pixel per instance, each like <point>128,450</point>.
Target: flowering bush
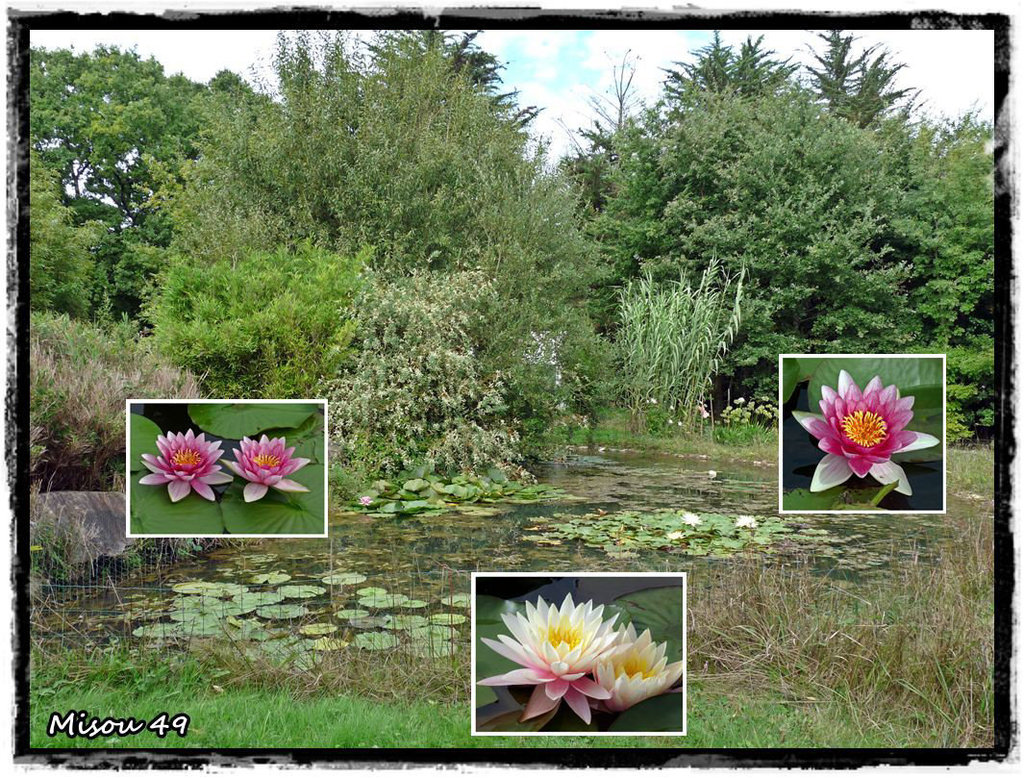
<point>417,394</point>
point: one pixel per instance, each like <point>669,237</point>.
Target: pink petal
<point>217,477</point>
<point>287,485</point>
<point>154,479</point>
<point>178,489</point>
<point>233,467</point>
<point>556,689</point>
<point>919,440</point>
<point>888,472</point>
<point>539,703</point>
<point>860,465</point>
<point>517,677</point>
<point>832,470</point>
<point>579,703</point>
<point>203,490</point>
<point>591,689</point>
<point>254,491</point>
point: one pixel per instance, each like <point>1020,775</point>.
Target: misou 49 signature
<point>80,724</point>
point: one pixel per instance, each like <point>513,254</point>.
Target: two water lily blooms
<point>860,430</point>
<point>571,653</point>
<point>188,462</point>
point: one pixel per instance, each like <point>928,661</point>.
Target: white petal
<point>845,382</point>
<point>888,472</point>
<point>923,440</point>
<point>804,419</point>
<point>831,471</point>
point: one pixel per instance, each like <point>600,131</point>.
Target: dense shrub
<point>269,324</point>
<point>80,377</point>
<point>416,393</point>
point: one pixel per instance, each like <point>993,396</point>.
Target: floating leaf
<point>456,601</point>
<point>343,579</point>
<point>371,591</point>
<point>375,641</point>
<point>209,588</point>
<point>250,601</point>
<point>279,513</point>
<point>352,613</point>
<point>142,435</point>
<point>406,621</point>
<point>447,618</point>
<point>281,611</point>
<point>271,578</point>
<point>318,628</point>
<point>153,513</point>
<point>329,644</point>
<point>300,592</point>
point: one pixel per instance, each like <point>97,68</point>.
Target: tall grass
<point>672,337</point>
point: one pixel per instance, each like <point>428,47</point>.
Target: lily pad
<point>371,591</point>
<point>328,644</point>
<point>270,578</point>
<point>209,588</point>
<point>352,613</point>
<point>281,611</point>
<point>250,601</point>
<point>238,420</point>
<point>384,601</point>
<point>456,600</point>
<point>318,628</point>
<point>343,579</point>
<point>153,513</point>
<point>300,592</point>
<point>141,440</point>
<point>406,621</point>
<point>447,618</point>
<point>375,641</point>
<point>279,513</point>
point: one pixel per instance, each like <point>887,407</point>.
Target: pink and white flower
<point>266,463</point>
<point>556,647</point>
<point>859,431</point>
<point>187,462</point>
<point>635,670</point>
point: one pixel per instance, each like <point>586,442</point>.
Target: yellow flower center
<point>864,428</point>
<point>266,460</point>
<point>186,457</point>
<point>635,664</point>
<point>572,636</point>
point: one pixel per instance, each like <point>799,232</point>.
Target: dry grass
<point>80,377</point>
<point>909,658</point>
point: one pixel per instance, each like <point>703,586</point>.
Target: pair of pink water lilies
<point>188,462</point>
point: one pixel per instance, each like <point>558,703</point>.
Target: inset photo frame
<point>578,653</point>
<point>862,433</point>
<point>215,468</point>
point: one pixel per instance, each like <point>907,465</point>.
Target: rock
<point>95,521</point>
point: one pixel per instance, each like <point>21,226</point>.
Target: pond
<point>380,582</point>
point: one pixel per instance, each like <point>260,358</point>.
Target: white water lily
<point>712,473</point>
<point>691,518</point>
<point>556,647</point>
<point>676,535</point>
<point>746,521</point>
<point>635,670</point>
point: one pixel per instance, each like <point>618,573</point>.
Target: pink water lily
<point>187,462</point>
<point>859,431</point>
<point>264,464</point>
<point>556,647</point>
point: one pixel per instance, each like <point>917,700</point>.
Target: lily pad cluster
<point>294,621</point>
<point>423,491</point>
<point>153,512</point>
<point>695,534</point>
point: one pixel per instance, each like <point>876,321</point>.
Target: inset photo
<point>579,653</point>
<point>210,468</point>
<point>862,433</point>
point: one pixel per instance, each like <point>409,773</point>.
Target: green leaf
<point>153,513</point>
<point>661,611</point>
<point>278,513</point>
<point>142,435</point>
<point>806,500</point>
<point>307,438</point>
<point>795,370</point>
<point>663,713</point>
<point>883,492</point>
<point>239,420</point>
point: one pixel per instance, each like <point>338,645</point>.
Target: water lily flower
<point>187,462</point>
<point>556,647</point>
<point>691,518</point>
<point>859,431</point>
<point>365,500</point>
<point>264,464</point>
<point>712,473</point>
<point>635,670</point>
<point>746,521</point>
<point>676,534</point>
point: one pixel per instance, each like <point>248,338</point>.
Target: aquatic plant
<point>265,464</point>
<point>635,670</point>
<point>187,462</point>
<point>860,431</point>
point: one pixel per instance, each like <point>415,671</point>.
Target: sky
<point>562,70</point>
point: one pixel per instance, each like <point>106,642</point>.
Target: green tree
<point>858,88</point>
<point>103,119</point>
<point>61,264</point>
<point>720,69</point>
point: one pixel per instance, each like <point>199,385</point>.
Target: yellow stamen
<point>864,428</point>
<point>571,636</point>
<point>266,460</point>
<point>186,457</point>
<point>634,665</point>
